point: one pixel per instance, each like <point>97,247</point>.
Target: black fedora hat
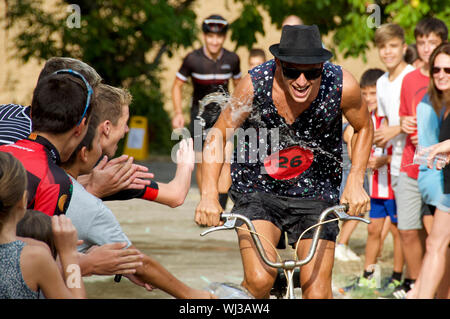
<point>300,44</point>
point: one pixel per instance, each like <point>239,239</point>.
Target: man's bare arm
<point>232,117</point>
<point>358,116</point>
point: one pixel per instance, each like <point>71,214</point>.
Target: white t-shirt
<point>388,98</point>
<point>95,223</point>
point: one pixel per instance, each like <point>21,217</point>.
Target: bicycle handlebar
<point>230,221</point>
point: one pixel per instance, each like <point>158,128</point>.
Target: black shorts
<point>292,215</point>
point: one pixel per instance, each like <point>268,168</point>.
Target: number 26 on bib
<point>288,163</point>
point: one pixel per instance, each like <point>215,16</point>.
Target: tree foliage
<point>352,23</point>
<point>125,39</point>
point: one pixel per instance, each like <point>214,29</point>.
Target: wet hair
<point>428,25</point>
<point>411,54</point>
<point>388,32</point>
<point>257,52</point>
<point>58,103</point>
<point>37,225</point>
<point>370,77</point>
<point>436,95</point>
<point>59,63</point>
<point>110,101</point>
<point>13,183</point>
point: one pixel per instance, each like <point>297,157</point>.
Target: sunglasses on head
<point>214,25</point>
<point>88,87</point>
<point>293,73</point>
<point>436,70</point>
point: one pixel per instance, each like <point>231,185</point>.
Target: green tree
<point>123,40</point>
<point>352,23</point>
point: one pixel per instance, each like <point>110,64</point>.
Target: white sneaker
<point>340,252</point>
<point>351,254</point>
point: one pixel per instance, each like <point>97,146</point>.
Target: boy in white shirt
<point>390,41</point>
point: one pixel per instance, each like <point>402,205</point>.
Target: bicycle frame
<point>288,265</point>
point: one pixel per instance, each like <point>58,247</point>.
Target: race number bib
<point>288,163</point>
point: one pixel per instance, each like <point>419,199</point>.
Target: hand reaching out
<point>186,154</point>
<point>110,177</point>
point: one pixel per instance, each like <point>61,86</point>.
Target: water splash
<point>240,107</point>
<point>224,100</point>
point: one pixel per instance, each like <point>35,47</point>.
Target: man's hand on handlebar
<point>355,195</point>
<point>208,212</point>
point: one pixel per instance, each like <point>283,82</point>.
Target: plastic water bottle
<point>421,157</point>
<point>228,291</point>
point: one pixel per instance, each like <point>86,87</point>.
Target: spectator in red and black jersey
<point>61,106</point>
<point>210,68</point>
<point>15,120</point>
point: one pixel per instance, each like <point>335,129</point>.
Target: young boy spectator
<point>256,57</point>
<point>390,41</point>
<point>413,213</point>
<point>382,203</point>
<point>15,120</point>
<point>61,106</point>
<point>112,110</point>
<point>343,252</point>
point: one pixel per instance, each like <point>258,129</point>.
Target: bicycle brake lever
<point>229,224</point>
<point>342,215</point>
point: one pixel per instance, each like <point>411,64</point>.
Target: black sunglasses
<point>437,70</point>
<point>293,73</point>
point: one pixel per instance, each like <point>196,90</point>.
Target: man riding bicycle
<point>302,96</point>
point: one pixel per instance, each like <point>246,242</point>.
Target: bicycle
<point>287,266</point>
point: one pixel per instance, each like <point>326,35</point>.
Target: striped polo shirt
<point>15,123</point>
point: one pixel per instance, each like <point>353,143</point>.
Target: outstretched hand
<point>186,154</point>
<point>111,259</point>
<point>110,177</point>
<point>443,149</point>
<point>64,235</point>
